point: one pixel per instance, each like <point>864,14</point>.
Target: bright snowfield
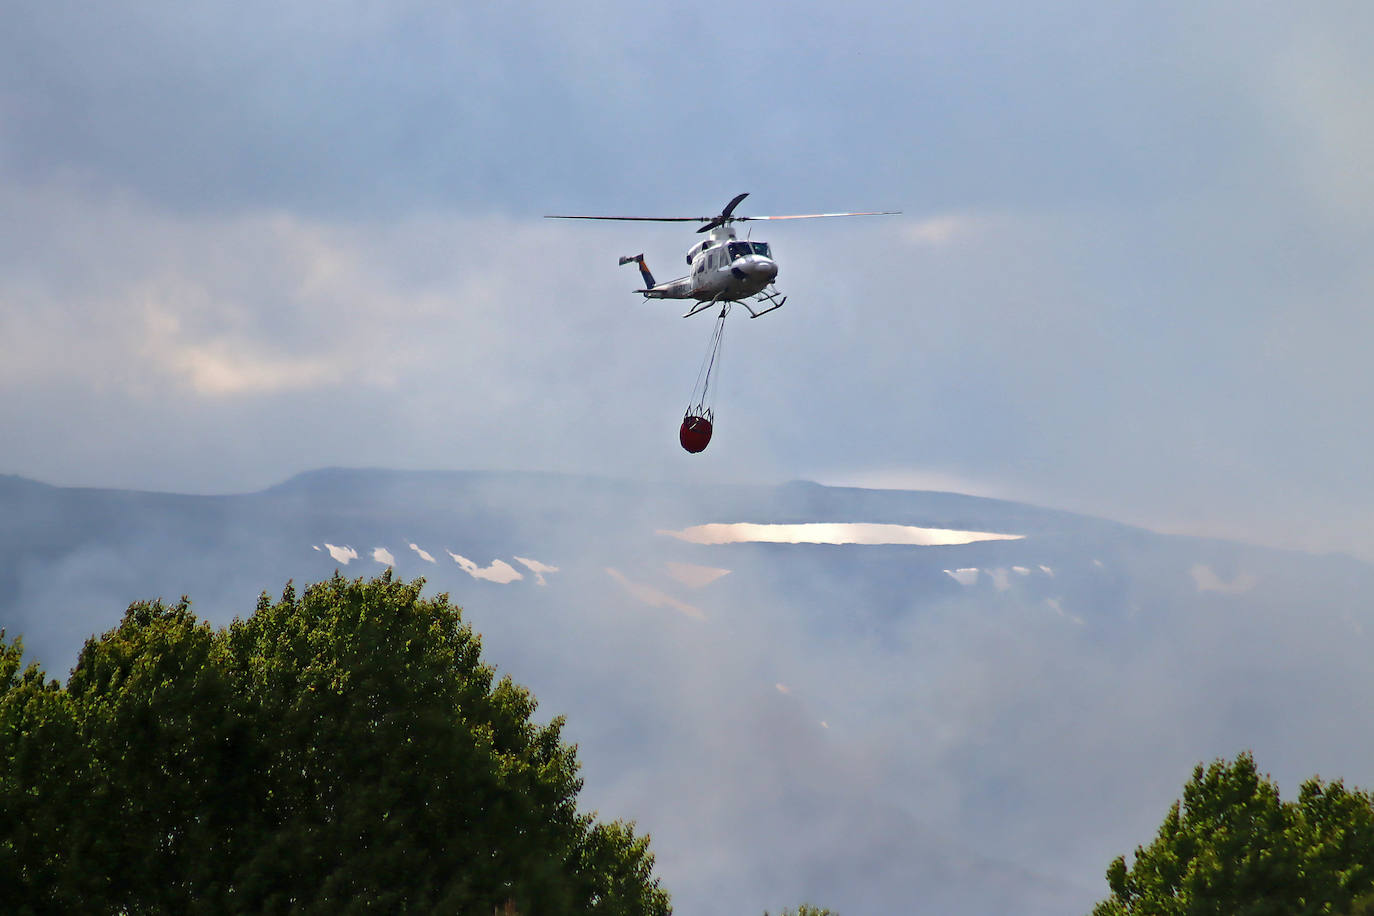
<point>832,533</point>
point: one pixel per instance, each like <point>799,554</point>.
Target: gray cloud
<point>357,110</point>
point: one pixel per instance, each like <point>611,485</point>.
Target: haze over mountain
<point>974,721</point>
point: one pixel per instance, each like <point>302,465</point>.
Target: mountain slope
<point>967,728</point>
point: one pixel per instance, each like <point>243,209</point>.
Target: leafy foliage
<point>1232,846</point>
<point>346,750</point>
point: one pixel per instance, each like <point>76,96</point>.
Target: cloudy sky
<point>238,241</point>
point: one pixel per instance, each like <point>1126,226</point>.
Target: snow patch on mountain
<point>1000,576</point>
<point>1207,580</point>
<point>694,576</point>
<point>340,554</point>
<point>1058,607</point>
<point>654,597</point>
<point>537,568</point>
<point>499,571</point>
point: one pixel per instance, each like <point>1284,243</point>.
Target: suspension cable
<point>709,364</point>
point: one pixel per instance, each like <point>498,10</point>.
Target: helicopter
<point>724,269</point>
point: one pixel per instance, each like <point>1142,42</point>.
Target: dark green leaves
<point>1234,847</point>
<point>340,751</point>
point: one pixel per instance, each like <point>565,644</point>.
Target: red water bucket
<point>695,433</point>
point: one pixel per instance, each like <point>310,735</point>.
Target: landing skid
<point>770,297</point>
<point>700,307</point>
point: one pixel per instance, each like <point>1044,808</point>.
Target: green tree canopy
<point>343,751</point>
<point>1232,847</point>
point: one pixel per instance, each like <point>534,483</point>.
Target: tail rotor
<point>643,269</point>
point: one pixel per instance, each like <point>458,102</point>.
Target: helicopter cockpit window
<point>762,248</point>
<point>738,250</point>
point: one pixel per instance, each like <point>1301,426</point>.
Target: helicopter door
<point>704,264</point>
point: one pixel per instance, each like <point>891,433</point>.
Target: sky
<point>1129,278</point>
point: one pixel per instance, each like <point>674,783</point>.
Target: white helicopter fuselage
<point>723,269</point>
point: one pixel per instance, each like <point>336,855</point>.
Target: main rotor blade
<point>725,215</point>
<point>641,219</point>
<point>743,219</point>
<point>734,202</point>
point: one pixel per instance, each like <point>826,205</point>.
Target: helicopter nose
<point>763,268</point>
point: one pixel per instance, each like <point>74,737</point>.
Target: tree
<point>45,777</point>
<point>343,751</point>
<point>1233,847</point>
